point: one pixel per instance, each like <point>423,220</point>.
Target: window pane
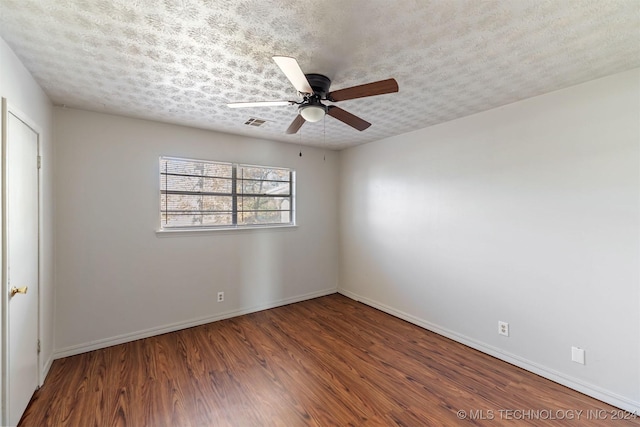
<point>197,193</point>
<point>195,167</point>
<point>194,176</point>
<point>261,203</point>
<point>178,202</point>
<point>248,218</point>
<point>194,220</point>
<point>263,187</point>
<point>185,210</point>
<point>195,184</point>
<point>268,197</point>
<point>218,219</point>
<point>254,172</point>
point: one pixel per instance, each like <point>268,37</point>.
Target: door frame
<point>8,108</point>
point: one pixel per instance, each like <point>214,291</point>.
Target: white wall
<point>528,214</point>
<point>117,279</point>
<point>24,94</point>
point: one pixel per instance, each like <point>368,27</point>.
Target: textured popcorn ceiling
<point>181,61</point>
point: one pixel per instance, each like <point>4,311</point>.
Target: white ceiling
<point>181,61</point>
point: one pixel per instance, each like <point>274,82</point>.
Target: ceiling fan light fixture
<point>313,113</point>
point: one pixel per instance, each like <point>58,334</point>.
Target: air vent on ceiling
<point>255,122</point>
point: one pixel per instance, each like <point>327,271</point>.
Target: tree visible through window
<point>199,193</point>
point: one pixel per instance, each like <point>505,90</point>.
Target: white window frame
<point>235,196</point>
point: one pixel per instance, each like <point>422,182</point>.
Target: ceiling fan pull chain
<point>324,130</point>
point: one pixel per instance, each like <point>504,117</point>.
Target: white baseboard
<point>553,375</point>
<point>108,342</point>
<point>45,369</point>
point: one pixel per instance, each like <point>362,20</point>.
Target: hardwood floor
<point>326,362</point>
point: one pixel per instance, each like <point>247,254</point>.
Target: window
<point>207,194</point>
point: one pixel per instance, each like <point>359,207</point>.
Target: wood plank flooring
<point>325,362</point>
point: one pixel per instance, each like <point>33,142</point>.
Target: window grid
<point>209,194</point>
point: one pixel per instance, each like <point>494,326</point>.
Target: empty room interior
<point>320,213</point>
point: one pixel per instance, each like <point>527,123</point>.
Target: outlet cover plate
<point>577,355</point>
<point>503,328</point>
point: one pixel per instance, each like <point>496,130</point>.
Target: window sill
<point>167,232</point>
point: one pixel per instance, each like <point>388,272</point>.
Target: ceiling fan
<point>314,88</point>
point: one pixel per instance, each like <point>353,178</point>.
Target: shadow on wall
<point>261,270</point>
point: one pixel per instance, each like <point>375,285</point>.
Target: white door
<point>22,264</point>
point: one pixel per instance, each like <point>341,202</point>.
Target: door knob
<point>22,290</point>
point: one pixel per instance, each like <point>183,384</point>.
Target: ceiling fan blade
<point>260,104</point>
<point>292,70</point>
<point>296,124</point>
<point>369,89</point>
<point>347,118</point>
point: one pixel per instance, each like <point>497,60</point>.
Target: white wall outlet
<point>577,355</point>
<point>220,296</point>
<point>503,328</point>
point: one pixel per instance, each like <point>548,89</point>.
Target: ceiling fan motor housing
<point>320,84</point>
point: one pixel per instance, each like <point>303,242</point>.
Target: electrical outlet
<point>220,296</point>
<point>503,328</point>
<point>577,355</point>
